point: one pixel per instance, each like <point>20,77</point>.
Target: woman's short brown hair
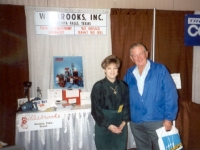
<point>109,60</point>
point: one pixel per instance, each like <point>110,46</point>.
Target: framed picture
<point>68,72</point>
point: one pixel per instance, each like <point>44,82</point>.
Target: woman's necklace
<point>114,90</point>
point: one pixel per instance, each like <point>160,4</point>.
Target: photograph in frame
<point>68,72</point>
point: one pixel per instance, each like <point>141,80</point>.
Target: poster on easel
<point>68,72</point>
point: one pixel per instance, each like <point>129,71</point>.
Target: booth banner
<point>59,23</point>
<point>192,30</point>
<point>39,121</point>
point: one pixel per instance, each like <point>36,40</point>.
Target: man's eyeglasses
<point>138,55</point>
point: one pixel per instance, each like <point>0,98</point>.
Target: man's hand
<point>167,124</point>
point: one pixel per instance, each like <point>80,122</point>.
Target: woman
<point>110,108</point>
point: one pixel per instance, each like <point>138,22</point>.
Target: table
<point>77,133</point>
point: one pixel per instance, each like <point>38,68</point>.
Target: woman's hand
<point>122,125</point>
<point>114,129</point>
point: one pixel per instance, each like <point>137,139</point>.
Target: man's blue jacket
<point>159,100</point>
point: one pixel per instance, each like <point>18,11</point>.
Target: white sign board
<point>59,23</point>
<point>85,98</point>
<point>39,121</point>
<point>54,94</point>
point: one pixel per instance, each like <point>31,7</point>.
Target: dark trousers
<point>145,135</point>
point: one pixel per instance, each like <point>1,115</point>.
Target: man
<point>153,98</point>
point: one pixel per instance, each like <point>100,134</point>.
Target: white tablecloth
<point>77,133</point>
